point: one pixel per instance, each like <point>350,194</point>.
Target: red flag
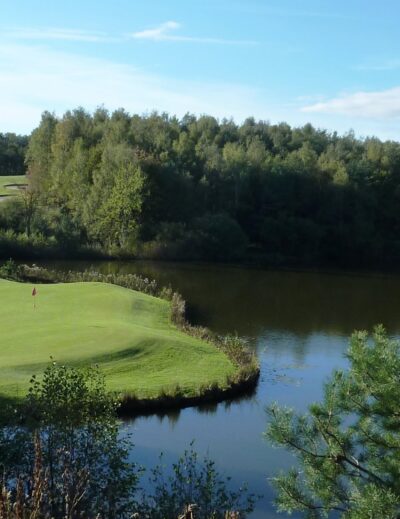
<point>34,291</point>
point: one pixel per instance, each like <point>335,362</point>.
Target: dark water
<point>298,322</point>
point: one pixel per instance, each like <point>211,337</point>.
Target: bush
<point>12,215</point>
<point>197,481</point>
<point>10,270</point>
<point>219,237</point>
<point>70,418</point>
<point>211,237</point>
<point>178,309</point>
<point>64,458</point>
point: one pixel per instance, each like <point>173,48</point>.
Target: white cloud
<point>26,33</point>
<point>158,33</point>
<point>164,33</point>
<point>34,78</point>
<point>37,78</point>
<point>384,104</point>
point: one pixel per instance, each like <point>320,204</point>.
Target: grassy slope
<point>127,333</point>
<point>15,179</point>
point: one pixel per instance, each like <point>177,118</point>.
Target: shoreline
<point>132,407</point>
<point>260,263</point>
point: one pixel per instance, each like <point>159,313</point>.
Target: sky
<point>335,64</point>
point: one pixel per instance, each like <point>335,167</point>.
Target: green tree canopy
<point>340,191</point>
<point>12,154</point>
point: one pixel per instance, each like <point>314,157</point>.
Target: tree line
<point>12,153</point>
<point>198,188</point>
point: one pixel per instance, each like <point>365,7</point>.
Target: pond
<point>299,324</point>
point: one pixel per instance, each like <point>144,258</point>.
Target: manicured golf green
<point>13,181</point>
<point>127,333</point>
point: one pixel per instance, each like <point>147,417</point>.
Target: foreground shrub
<point>62,457</point>
<point>347,446</point>
<point>197,481</point>
<point>73,417</point>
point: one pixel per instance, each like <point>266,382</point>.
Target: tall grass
<point>29,496</point>
<point>234,347</point>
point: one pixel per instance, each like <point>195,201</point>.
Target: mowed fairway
<point>127,333</point>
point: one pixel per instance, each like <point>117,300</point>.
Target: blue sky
<point>333,63</point>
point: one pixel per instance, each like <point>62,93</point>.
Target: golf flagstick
<point>34,292</point>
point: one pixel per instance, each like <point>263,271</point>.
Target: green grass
<point>12,179</point>
<point>127,333</point>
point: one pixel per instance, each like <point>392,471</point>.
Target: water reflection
<point>251,301</point>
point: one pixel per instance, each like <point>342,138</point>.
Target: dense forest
<point>12,153</point>
<point>197,188</point>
